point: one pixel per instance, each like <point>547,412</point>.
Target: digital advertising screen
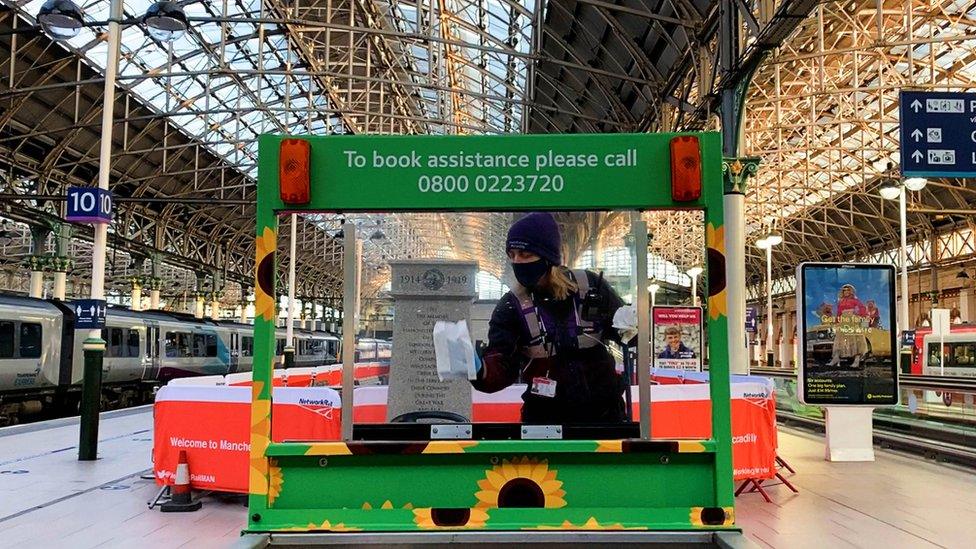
<point>848,353</point>
<point>676,334</point>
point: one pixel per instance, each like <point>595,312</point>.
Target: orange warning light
<point>686,180</point>
<point>293,171</point>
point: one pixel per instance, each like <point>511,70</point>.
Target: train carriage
<point>42,359</point>
<point>958,352</point>
<point>30,353</point>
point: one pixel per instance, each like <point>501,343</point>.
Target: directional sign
<point>89,313</point>
<point>89,205</point>
<point>938,134</point>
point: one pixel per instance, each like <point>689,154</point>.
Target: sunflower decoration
<point>609,446</point>
<point>275,481</point>
<point>367,506</point>
<point>326,526</point>
<point>264,303</point>
<point>526,482</point>
<point>590,524</point>
<point>449,518</point>
<point>260,430</point>
<point>715,240</point>
<point>449,446</point>
<point>712,516</point>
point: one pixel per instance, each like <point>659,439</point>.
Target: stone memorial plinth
<point>425,291</point>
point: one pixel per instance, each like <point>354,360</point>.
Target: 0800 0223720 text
<point>542,183</point>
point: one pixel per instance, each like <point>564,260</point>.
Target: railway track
<point>937,440</point>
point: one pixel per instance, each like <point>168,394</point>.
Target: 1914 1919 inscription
<point>425,291</point>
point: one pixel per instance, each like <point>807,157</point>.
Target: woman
<point>873,314</point>
<point>849,330</point>
<point>540,336</point>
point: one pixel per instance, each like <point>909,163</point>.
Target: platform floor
<point>898,501</point>
<point>48,498</point>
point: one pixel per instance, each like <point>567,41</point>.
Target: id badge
<point>543,386</point>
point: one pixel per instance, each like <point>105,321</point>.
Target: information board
<point>846,317</point>
<point>89,313</point>
<point>752,320</point>
<point>479,172</point>
<point>676,335</point>
<point>938,134</point>
<point>89,205</point>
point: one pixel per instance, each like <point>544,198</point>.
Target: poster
<point>676,335</point>
<point>848,339</point>
<point>752,320</point>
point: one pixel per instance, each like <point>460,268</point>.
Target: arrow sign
<point>937,133</point>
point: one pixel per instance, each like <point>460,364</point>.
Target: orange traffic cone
<point>181,499</point>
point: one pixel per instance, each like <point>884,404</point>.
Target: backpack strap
<point>582,282</point>
<point>535,348</point>
<point>586,328</point>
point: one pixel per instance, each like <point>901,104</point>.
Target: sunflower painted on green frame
<point>449,518</point>
<point>525,483</point>
<point>264,265</point>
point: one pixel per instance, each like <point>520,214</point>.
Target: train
<point>958,353</point>
<point>42,360</point>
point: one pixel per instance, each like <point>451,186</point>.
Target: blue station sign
<point>89,205</point>
<point>938,134</point>
<point>89,313</point>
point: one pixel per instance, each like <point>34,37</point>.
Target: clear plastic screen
<point>421,268</point>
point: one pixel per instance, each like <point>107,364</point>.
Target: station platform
<point>47,497</point>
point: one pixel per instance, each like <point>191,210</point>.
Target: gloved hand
<point>477,362</point>
<point>625,321</point>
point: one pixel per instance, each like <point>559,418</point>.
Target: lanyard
<point>543,333</point>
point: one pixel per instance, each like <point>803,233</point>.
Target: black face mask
<point>529,274</point>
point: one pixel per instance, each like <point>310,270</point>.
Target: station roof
<point>821,114</point>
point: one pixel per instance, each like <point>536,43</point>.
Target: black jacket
<point>588,387</point>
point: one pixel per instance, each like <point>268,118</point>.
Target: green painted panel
<point>510,172</point>
<point>282,449</point>
<point>598,491</point>
<point>563,480</point>
<point>420,519</point>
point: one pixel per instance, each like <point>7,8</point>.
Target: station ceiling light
<point>762,244</point>
<point>695,271</point>
<point>889,191</point>
<point>61,19</point>
<point>774,238</point>
<point>916,183</point>
<point>165,21</point>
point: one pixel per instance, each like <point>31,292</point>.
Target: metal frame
<point>288,478</point>
<point>352,66</point>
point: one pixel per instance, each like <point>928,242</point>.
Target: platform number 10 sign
<point>89,205</point>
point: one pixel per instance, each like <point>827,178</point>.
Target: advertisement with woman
<point>848,328</point>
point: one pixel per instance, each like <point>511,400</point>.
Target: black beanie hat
<point>537,233</point>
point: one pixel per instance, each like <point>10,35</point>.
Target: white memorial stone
<point>425,291</point>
